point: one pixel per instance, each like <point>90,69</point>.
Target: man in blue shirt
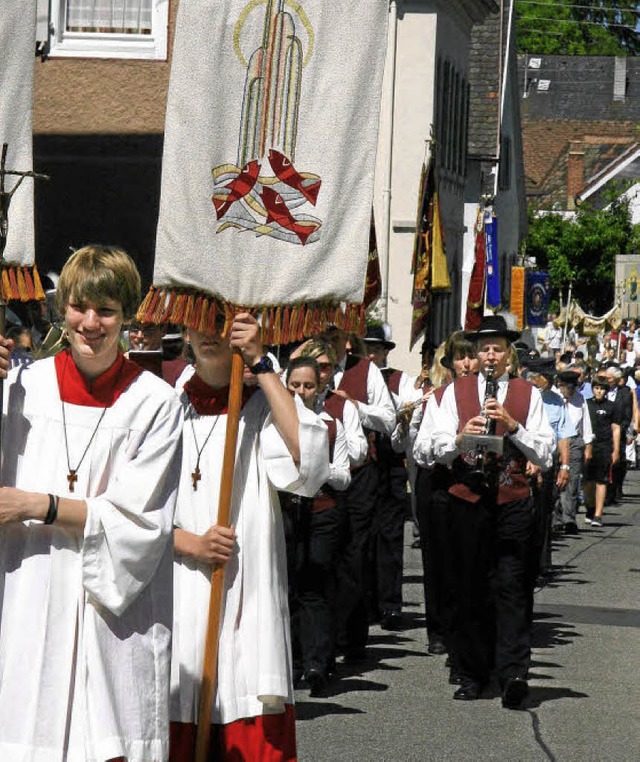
<point>541,374</point>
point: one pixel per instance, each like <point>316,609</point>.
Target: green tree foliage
<point>583,250</point>
<point>578,27</point>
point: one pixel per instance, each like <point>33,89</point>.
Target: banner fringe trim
<point>280,324</point>
<point>20,283</point>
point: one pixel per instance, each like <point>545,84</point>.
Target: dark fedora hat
<point>376,334</point>
<point>493,326</point>
<point>568,377</point>
<point>542,366</point>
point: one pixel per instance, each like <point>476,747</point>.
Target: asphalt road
<point>584,704</point>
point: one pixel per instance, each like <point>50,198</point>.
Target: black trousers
<point>432,509</point>
<point>492,546</point>
<point>312,539</point>
<point>353,562</point>
<point>387,534</point>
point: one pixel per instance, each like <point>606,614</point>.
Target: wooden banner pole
<point>210,666</point>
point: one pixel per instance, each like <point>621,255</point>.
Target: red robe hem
<point>267,738</point>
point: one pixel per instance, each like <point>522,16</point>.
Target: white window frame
<point>100,45</point>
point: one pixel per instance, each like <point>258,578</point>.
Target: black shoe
<point>436,647</point>
<point>515,690</point>
<point>469,690</point>
<point>391,620</point>
<point>298,677</point>
<point>416,543</point>
<point>316,681</point>
<point>455,678</point>
<point>571,528</point>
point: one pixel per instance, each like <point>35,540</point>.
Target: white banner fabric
<point>17,61</point>
<point>271,132</point>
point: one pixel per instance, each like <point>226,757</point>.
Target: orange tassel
<point>22,286</point>
<point>156,315</point>
<point>196,318</point>
<point>146,303</point>
<point>37,285</point>
<point>188,312</point>
<point>286,328</point>
<point>6,286</point>
<point>13,283</point>
<point>28,279</point>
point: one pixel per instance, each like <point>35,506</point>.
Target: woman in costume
<point>90,462</point>
<point>281,446</point>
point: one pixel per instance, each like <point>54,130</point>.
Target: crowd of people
<point>112,460</point>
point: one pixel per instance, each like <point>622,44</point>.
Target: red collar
<point>103,391</point>
<point>209,401</point>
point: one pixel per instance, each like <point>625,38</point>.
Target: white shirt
<point>423,445</point>
<point>339,470</point>
<point>378,413</point>
<point>86,620</point>
<point>535,440</point>
<point>357,445</point>
<point>578,413</point>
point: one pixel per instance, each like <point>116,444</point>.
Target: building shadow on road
<point>548,634</point>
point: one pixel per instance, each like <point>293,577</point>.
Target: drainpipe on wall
<point>386,186</point>
<point>503,87</point>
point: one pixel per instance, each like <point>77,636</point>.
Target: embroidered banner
<point>17,59</point>
<point>537,295</point>
<point>493,300</point>
<point>475,300</point>
<point>267,178</point>
<point>517,295</point>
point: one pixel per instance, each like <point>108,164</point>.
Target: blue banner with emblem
<point>537,298</point>
<point>493,301</point>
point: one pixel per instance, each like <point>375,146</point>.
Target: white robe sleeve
<point>129,524</point>
<point>313,471</point>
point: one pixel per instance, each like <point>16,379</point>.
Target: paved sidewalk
<point>585,684</point>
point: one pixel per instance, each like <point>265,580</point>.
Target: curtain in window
<point>111,16</point>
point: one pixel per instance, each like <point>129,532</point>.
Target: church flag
<point>537,298</point>
<point>421,260</point>
<point>20,279</point>
<point>268,165</point>
<point>475,298</point>
<point>517,295</point>
<point>493,301</point>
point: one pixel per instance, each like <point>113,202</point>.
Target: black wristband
<point>52,513</point>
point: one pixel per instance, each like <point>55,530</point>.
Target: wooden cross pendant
<point>72,479</point>
<point>195,478</point>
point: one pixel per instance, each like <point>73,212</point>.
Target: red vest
<point>512,481</point>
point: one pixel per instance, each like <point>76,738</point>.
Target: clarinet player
<point>491,514</point>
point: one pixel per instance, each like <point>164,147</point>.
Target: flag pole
<point>210,665</point>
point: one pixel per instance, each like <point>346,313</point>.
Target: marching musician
<point>491,518</point>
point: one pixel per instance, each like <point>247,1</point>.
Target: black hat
<point>568,377</point>
<point>376,334</point>
<point>542,366</point>
<point>493,325</point>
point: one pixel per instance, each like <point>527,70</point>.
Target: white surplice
<point>85,623</point>
<point>254,657</point>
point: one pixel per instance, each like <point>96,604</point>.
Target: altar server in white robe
<point>91,455</point>
<point>281,446</point>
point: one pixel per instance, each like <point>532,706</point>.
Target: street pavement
<point>584,703</point>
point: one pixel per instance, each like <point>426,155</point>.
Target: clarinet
<point>478,473</point>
